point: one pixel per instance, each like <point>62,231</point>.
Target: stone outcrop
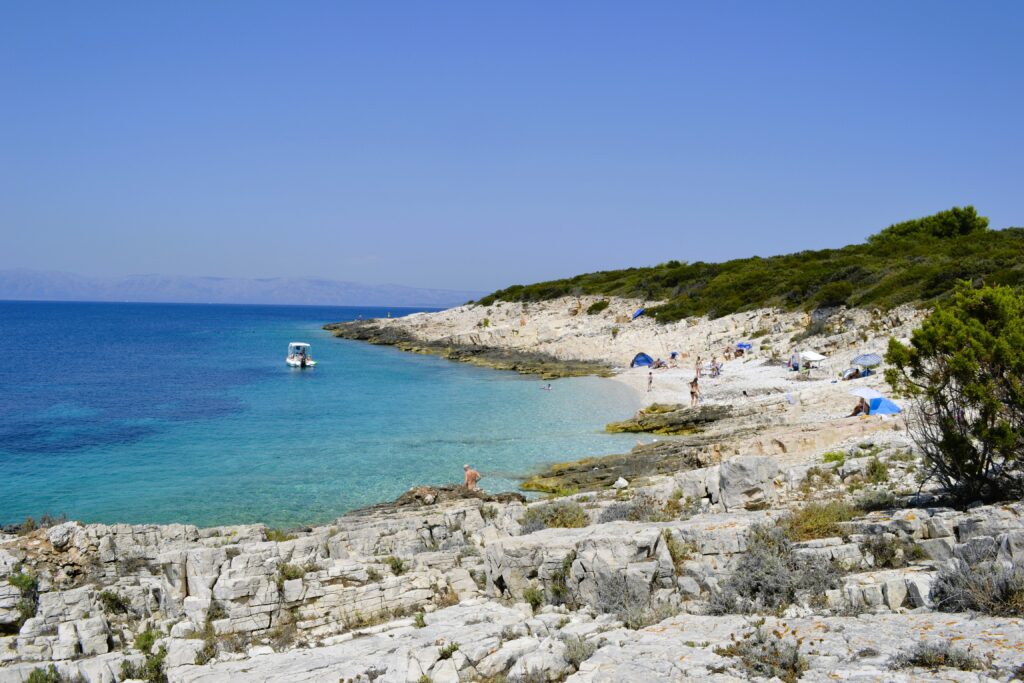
<point>522,361</point>
<point>447,586</point>
<point>673,419</point>
<point>684,648</point>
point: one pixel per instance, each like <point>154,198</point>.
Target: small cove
<point>187,413</point>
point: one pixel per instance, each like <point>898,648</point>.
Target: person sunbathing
<point>862,408</point>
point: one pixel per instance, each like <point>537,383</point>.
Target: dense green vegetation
<point>965,371</point>
<point>915,261</point>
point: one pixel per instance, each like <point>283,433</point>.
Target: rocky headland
<point>762,535</point>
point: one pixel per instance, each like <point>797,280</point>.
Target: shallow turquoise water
<point>185,413</point>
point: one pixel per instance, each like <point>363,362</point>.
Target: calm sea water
<point>187,413</point>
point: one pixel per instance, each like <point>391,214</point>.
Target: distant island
<point>34,285</point>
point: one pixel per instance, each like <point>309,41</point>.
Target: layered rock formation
<point>453,590</point>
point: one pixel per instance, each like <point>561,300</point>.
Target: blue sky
<point>476,145</point>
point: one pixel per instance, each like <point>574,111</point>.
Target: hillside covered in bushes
<point>915,261</point>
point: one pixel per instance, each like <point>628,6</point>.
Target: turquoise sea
<point>187,413</point>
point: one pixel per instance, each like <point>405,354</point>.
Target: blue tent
<point>883,406</point>
<point>641,360</point>
<point>639,312</point>
<point>744,345</point>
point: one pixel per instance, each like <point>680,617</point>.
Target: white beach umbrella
<point>811,356</point>
<point>866,393</point>
<point>867,360</point>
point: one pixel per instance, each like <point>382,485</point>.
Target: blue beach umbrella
<point>883,406</point>
<point>867,360</point>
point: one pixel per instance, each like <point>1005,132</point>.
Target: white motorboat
<point>299,355</point>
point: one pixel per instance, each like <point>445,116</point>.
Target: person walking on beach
<point>472,477</point>
<point>696,366</point>
<point>694,393</point>
<point>650,380</point>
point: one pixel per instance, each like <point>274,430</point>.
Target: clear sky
<point>480,144</point>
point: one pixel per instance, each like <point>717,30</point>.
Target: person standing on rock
<point>650,380</point>
<point>694,393</point>
<point>472,477</point>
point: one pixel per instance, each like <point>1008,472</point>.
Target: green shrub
<point>877,500</point>
<point>818,520</point>
<point>533,595</point>
<point>448,650</point>
<point>834,456</point>
<point>578,650</point>
<point>815,479</point>
<point>285,631</point>
<point>956,222</point>
<point>372,574</point>
<point>766,654</point>
<point>641,508</point>
<point>982,585</point>
<point>113,603</point>
<point>420,620</point>
<point>215,612</point>
<point>890,552</point>
<point>564,514</point>
<point>151,671</point>
<point>558,586</point>
<point>288,572</point>
<point>597,307</point>
<point>876,472</point>
<point>935,656</point>
<point>914,261</point>
<point>278,535</point>
<point>397,565</point>
<point>51,675</point>
<point>834,294</point>
<point>769,576</point>
<point>144,641</point>
<point>678,550</point>
<point>27,584</point>
<point>964,371</point>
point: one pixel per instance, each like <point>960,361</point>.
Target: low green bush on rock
<point>564,514</point>
<point>642,508</point>
<point>818,520</point>
<point>767,654</point>
<point>153,670</point>
<point>770,576</point>
<point>984,585</point>
<point>51,675</point>
<point>936,656</point>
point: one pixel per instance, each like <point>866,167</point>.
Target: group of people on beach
<point>694,385</point>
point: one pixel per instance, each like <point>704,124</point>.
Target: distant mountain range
<point>57,286</point>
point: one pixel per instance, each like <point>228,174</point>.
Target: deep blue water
<point>187,413</point>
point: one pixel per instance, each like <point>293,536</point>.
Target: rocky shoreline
<point>459,588</point>
<point>523,362</point>
<point>762,535</point>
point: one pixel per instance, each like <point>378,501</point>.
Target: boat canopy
<point>297,346</point>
